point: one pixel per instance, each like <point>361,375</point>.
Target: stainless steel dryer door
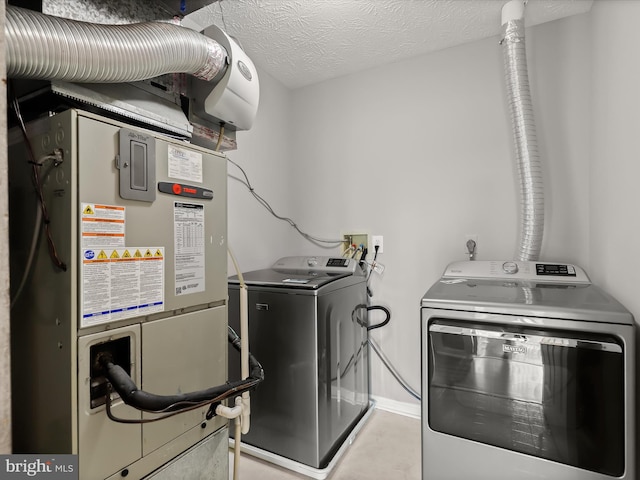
<point>552,394</point>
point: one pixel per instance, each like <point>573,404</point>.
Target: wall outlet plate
<point>376,240</point>
<point>356,239</point>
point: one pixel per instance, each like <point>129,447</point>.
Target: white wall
<point>615,159</point>
<point>256,238</point>
<point>421,152</point>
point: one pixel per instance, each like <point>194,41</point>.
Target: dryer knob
<point>510,267</point>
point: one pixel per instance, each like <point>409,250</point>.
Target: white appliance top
<point>534,289</point>
<point>539,272</point>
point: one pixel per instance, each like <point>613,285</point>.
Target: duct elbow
<point>513,10</point>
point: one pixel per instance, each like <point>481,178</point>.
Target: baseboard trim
<point>402,408</point>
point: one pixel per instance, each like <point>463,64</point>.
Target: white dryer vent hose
<point>524,133</point>
<point>46,47</point>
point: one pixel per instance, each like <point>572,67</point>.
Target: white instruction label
<point>120,283</point>
<point>102,225</point>
<point>185,164</point>
<point>188,224</point>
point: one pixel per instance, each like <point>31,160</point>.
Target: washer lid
<point>302,272</point>
<point>288,278</point>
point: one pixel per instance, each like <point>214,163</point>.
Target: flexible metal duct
<point>524,132</point>
<point>45,47</point>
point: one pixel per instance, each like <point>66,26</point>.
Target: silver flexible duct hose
<point>45,47</point>
<point>524,134</point>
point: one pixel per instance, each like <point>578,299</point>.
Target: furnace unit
<point>129,265</point>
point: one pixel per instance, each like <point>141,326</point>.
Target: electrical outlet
<point>376,240</point>
<point>356,239</point>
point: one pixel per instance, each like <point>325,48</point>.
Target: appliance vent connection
<point>45,47</point>
<point>524,132</point>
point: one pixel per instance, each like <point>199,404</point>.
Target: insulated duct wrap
<point>45,47</point>
<point>524,134</point>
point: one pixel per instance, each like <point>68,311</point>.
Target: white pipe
<point>244,358</point>
<point>244,345</point>
<point>236,448</point>
<point>234,413</point>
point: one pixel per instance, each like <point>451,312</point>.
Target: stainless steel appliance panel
<point>284,408</point>
<point>526,397</point>
<point>312,345</point>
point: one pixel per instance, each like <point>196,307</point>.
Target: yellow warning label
<point>102,255</point>
<point>88,210</point>
<point>158,253</point>
<point>137,254</point>
<point>115,254</point>
<point>148,253</point>
<point>126,254</point>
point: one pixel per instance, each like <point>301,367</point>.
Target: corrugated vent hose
<point>524,132</point>
<point>45,47</point>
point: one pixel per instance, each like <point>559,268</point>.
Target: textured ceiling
<point>301,42</point>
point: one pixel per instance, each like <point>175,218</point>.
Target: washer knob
<point>312,262</point>
<point>510,267</point>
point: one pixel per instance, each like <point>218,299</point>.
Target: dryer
<point>308,327</point>
<point>527,372</point>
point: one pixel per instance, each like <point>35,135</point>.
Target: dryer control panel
<point>548,272</point>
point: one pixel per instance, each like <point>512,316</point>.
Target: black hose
<point>255,369</point>
<point>385,321</point>
<point>150,402</point>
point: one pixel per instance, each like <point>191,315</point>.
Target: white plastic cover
<point>234,100</point>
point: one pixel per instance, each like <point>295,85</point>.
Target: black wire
<point>373,263</point>
<point>46,220</point>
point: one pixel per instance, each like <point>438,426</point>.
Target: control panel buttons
<point>338,262</point>
<point>510,267</point>
<point>554,269</point>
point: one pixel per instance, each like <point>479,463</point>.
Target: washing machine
<point>308,327</point>
<point>527,372</point>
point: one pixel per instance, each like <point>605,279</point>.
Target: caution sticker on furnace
<point>102,225</point>
<point>118,285</point>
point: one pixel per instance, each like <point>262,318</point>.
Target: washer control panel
<point>319,264</point>
<point>550,272</point>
